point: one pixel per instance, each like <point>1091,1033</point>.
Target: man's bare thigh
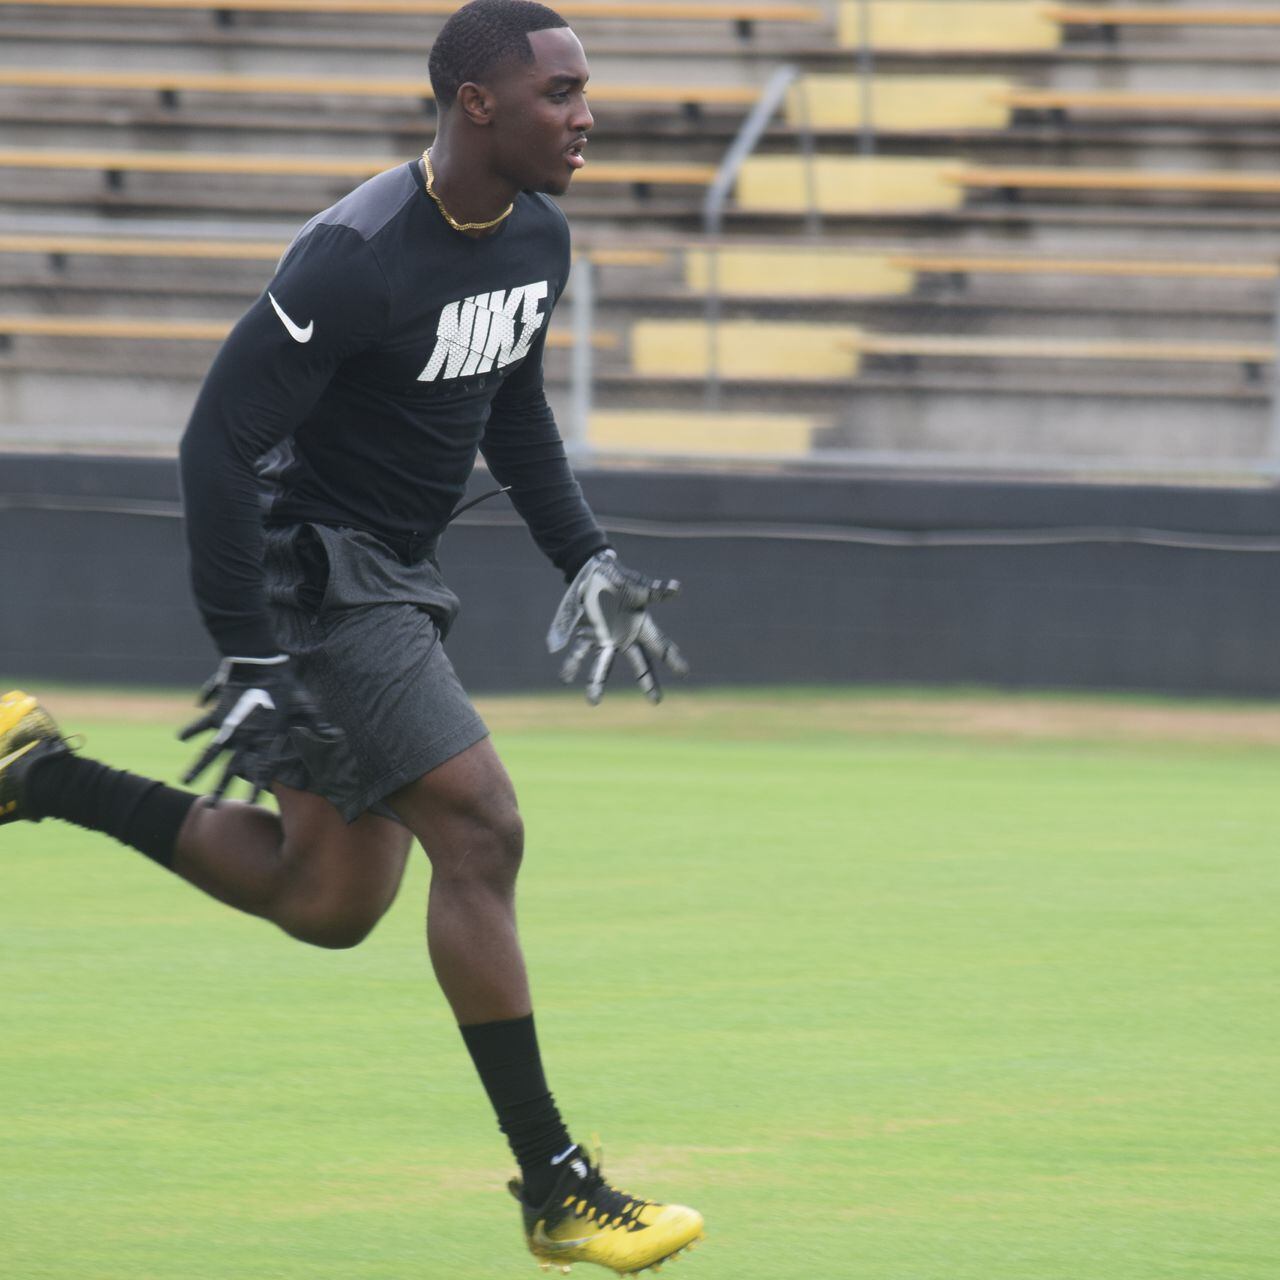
<point>361,862</point>
<point>468,796</point>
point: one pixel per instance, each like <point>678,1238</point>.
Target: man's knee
<point>500,840</point>
<point>484,847</point>
<point>508,836</point>
<point>465,814</point>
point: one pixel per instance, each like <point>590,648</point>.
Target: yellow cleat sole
<point>656,1265</point>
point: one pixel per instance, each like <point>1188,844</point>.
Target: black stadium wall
<point>788,579</point>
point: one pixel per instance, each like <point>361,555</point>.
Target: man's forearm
<point>530,458</point>
<point>225,541</point>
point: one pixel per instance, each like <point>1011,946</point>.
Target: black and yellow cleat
<point>586,1220</point>
<point>27,734</point>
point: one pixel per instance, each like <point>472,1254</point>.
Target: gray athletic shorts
<point>365,633</point>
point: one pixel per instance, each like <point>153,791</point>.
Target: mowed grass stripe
<point>881,1006</point>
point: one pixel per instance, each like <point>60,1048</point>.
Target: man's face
<point>541,118</point>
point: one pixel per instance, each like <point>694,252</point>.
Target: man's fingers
<point>210,689</point>
<point>656,642</point>
<point>565,622</point>
<point>600,672</point>
<point>201,763</point>
<point>202,725</point>
<point>646,673</point>
<point>228,776</point>
<point>570,666</point>
<point>674,659</point>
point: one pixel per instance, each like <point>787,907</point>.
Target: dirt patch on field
<point>1032,718</point>
<point>748,715</point>
<point>67,707</point>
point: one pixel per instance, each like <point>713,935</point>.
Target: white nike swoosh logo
<point>544,1241</point>
<point>18,754</point>
<point>296,332</point>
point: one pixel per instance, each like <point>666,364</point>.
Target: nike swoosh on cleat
<point>544,1241</point>
<point>14,755</point>
<point>296,332</point>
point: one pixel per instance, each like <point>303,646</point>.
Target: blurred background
<point>925,340</point>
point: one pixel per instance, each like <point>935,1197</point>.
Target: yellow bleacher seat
<point>849,184</point>
<point>952,25</point>
<point>668,432</point>
<point>761,271</point>
<point>901,102</point>
<point>747,349</point>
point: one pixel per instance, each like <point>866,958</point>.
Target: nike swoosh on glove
<point>606,610</point>
<point>254,705</point>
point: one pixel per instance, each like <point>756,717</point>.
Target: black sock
<point>140,812</point>
<point>506,1056</point>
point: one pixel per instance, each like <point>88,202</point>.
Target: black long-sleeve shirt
<point>386,351</point>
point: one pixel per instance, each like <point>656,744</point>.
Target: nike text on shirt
<point>478,334</point>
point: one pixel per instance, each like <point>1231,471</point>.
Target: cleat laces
<point>600,1203</point>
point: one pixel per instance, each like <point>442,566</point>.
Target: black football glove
<point>606,609</point>
<point>254,704</point>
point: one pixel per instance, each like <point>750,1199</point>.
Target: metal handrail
<point>1270,463</point>
<point>866,80</point>
<point>743,144</point>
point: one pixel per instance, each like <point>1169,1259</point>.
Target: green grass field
<point>885,997</point>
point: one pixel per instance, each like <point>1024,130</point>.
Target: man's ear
<point>476,103</point>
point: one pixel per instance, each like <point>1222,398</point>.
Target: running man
<point>402,332</point>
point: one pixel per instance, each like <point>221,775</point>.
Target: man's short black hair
<point>480,36</point>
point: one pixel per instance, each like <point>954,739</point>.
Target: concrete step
<point>1024,226</point>
<point>333,125</point>
<point>283,201</point>
<point>60,398</point>
<point>1073,306</point>
<point>395,50</point>
<point>1031,416</point>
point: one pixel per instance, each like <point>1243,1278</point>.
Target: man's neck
<point>468,195</point>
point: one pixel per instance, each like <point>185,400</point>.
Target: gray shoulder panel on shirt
<point>368,208</point>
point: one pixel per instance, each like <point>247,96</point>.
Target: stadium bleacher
<point>1042,188</point>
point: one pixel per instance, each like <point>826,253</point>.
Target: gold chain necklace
<point>448,217</point>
